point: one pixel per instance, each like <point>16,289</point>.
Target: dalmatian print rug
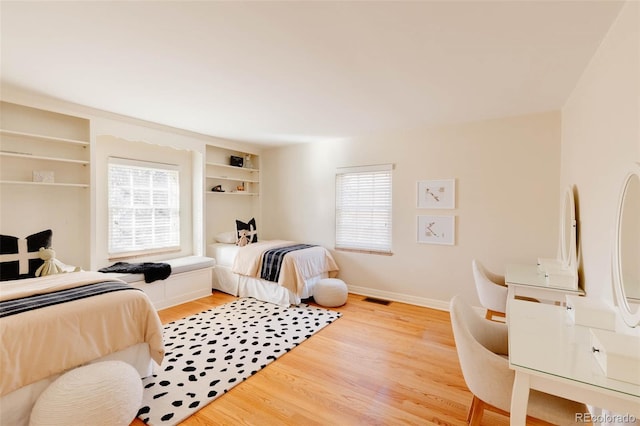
<point>209,353</point>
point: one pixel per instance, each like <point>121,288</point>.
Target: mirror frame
<point>569,260</point>
<point>632,319</point>
<point>562,271</point>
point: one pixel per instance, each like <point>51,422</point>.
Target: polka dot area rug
<point>209,353</point>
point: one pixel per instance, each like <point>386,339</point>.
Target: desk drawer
<point>617,354</point>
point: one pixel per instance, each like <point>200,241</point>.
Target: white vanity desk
<point>528,281</point>
<point>550,354</point>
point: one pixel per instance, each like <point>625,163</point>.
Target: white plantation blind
<point>363,208</point>
<point>144,206</point>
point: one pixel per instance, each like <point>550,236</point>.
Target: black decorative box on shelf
<point>236,161</point>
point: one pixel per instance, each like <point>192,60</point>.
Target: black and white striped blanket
<point>272,261</point>
<point>23,304</point>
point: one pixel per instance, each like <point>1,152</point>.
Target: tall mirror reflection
<point>563,271</point>
<point>568,241</point>
<point>626,259</point>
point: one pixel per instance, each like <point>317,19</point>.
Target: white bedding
<point>223,253</point>
<point>237,271</point>
<point>38,345</point>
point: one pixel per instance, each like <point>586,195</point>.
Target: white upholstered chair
<point>482,347</point>
<point>491,289</point>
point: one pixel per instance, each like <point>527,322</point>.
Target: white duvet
<point>47,341</point>
<point>297,266</point>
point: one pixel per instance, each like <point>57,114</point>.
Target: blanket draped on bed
<point>297,266</point>
<point>152,270</point>
<point>36,344</point>
<point>23,304</point>
<point>272,261</point>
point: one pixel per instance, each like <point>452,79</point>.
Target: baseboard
<point>399,297</point>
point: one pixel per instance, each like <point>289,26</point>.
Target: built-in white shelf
<point>245,193</point>
<point>223,209</point>
<point>245,169</point>
<point>42,157</point>
<point>236,179</point>
<point>21,182</point>
<point>41,137</point>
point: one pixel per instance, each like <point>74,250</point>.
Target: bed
<point>238,271</point>
<point>85,318</point>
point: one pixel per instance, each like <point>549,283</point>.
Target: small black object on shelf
<point>217,188</point>
<point>236,161</point>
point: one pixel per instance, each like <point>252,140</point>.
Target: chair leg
<point>490,314</point>
<point>476,410</point>
<point>471,408</point>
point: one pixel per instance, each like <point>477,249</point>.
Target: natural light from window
<point>363,208</point>
<point>144,207</point>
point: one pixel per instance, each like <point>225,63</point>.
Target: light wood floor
<point>377,365</point>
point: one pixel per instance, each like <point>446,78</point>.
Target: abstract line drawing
<point>436,229</point>
<point>437,194</point>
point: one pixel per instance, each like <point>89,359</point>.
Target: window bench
<point>190,279</point>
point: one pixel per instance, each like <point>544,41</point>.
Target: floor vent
<point>378,301</point>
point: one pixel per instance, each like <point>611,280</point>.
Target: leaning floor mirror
<point>626,250</point>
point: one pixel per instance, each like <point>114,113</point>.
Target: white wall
<point>80,234</point>
<point>601,141</point>
<point>507,173</point>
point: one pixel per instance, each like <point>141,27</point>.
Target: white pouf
<point>106,393</point>
<point>330,292</point>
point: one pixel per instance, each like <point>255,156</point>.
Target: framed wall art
<point>437,229</point>
<point>437,194</point>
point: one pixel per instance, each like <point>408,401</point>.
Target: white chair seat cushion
<point>106,393</point>
<point>330,292</point>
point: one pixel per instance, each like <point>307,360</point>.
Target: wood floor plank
<point>378,364</point>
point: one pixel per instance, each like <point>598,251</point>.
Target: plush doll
<point>243,239</point>
<point>51,265</point>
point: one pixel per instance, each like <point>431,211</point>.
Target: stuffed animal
<point>243,239</point>
<point>51,265</point>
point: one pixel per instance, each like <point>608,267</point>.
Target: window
<point>144,207</point>
<point>363,208</point>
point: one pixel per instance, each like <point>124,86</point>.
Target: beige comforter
<point>46,341</point>
<point>297,266</point>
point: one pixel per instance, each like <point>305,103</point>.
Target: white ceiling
<point>282,72</point>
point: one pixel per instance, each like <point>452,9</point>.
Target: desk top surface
<point>529,275</point>
<point>543,341</point>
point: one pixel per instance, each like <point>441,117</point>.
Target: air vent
<point>378,301</point>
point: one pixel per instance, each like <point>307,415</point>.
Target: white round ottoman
<point>106,393</point>
<point>330,292</point>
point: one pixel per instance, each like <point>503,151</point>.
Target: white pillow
<point>226,237</point>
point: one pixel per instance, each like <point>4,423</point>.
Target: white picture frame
<point>436,194</point>
<point>434,229</point>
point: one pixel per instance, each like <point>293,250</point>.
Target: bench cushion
<point>178,266</point>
